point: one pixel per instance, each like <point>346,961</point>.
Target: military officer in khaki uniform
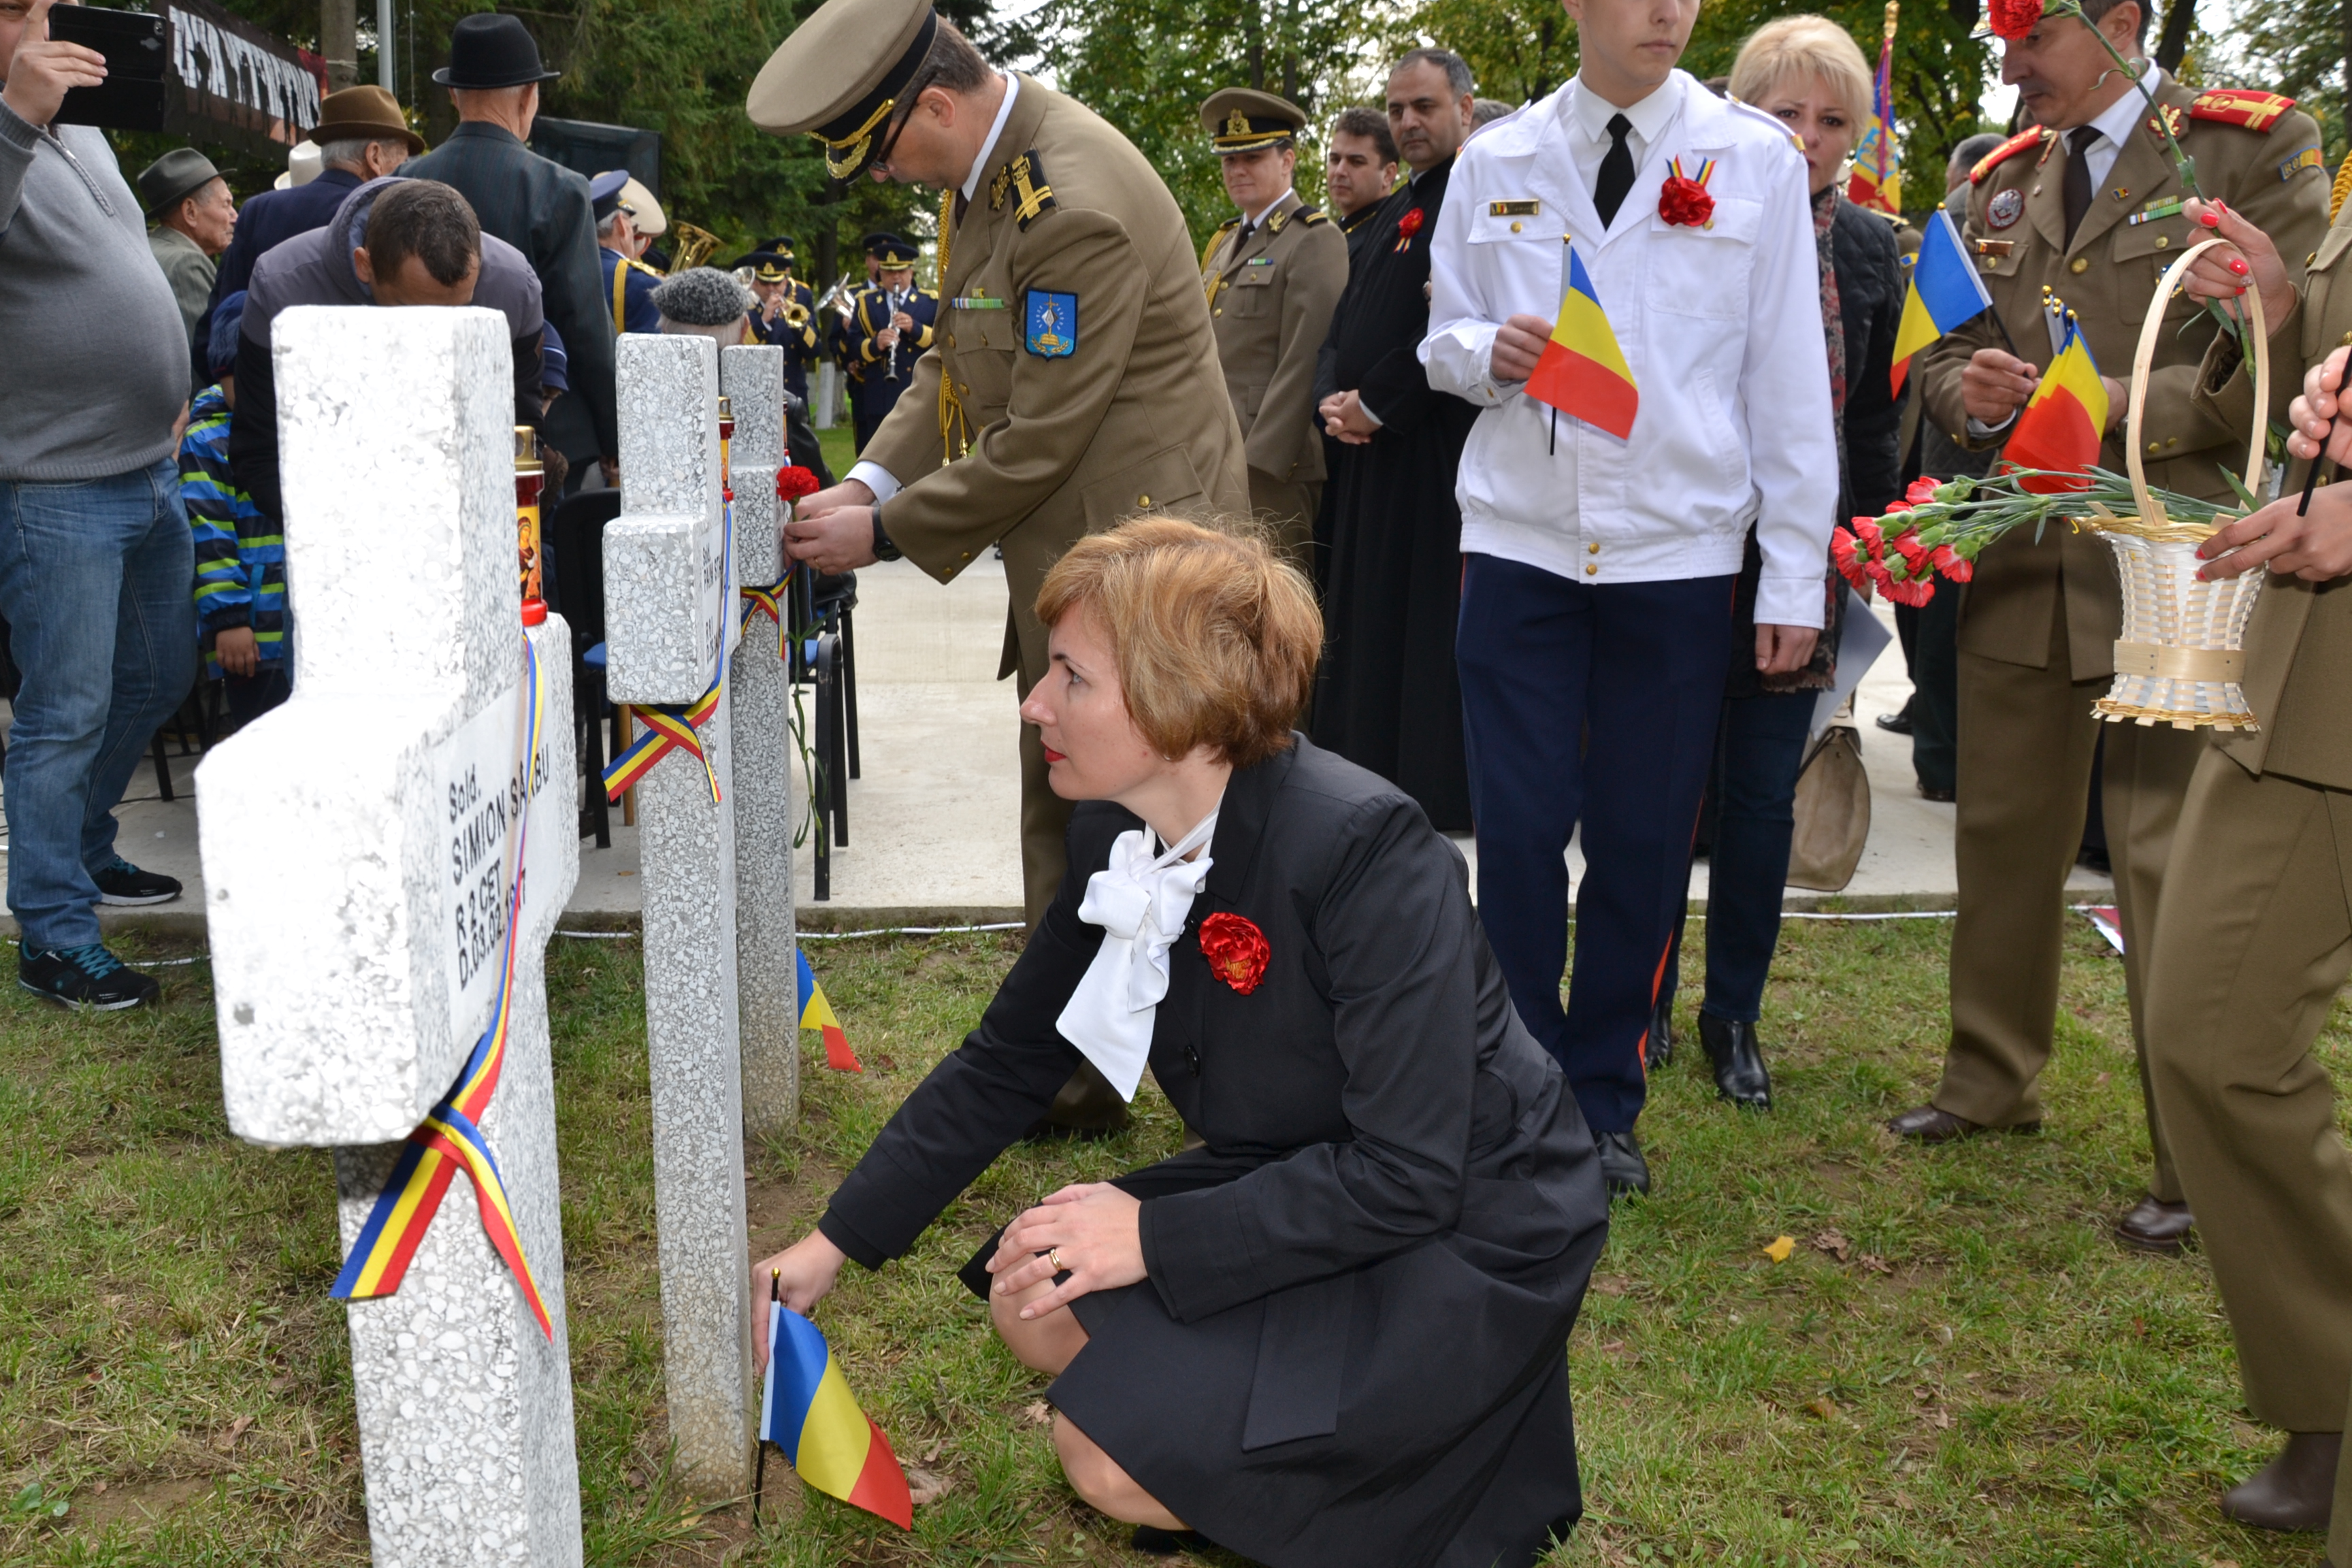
<point>2254,939</point>
<point>2087,205</point>
<point>1272,275</point>
<point>1073,381</point>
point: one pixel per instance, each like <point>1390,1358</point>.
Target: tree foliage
<point>1147,65</point>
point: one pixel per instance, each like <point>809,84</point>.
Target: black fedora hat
<point>490,48</point>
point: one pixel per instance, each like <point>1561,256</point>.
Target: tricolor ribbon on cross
<point>769,601</point>
<point>669,728</point>
<point>450,1137</point>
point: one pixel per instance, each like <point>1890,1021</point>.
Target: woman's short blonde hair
<point>1791,52</point>
<point>1215,637</point>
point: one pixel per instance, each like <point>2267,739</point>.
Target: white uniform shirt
<point>1722,327</point>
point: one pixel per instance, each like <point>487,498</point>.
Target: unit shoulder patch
<point>1051,322</point>
<point>2237,106</point>
<point>2007,149</point>
<point>1025,178</point>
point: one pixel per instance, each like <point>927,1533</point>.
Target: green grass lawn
<point>1957,1365</point>
<point>840,448</point>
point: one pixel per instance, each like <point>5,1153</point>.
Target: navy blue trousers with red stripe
<point>1590,704</point>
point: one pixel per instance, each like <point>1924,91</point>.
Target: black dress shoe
<point>2294,1491</point>
<point>1658,1051</point>
<point>1738,1062</point>
<point>1621,1166</point>
<point>1930,1124</point>
<point>2154,1225</point>
<point>1944,793</point>
<point>1897,722</point>
<point>1154,1541</point>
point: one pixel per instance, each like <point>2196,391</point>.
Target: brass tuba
<point>689,245</point>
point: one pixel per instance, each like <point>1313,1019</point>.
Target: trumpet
<point>796,315</point>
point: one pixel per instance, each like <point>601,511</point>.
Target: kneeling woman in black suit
<point>1334,1331</point>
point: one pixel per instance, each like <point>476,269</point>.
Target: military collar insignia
<point>2005,208</point>
<point>2018,143</point>
<point>2165,124</point>
<point>1274,225</point>
<point>1024,176</point>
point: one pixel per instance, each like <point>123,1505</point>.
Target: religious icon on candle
<point>530,475</point>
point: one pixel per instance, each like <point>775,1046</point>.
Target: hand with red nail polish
<point>2246,258</point>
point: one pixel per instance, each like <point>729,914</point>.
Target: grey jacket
<point>315,268</point>
<point>81,298</point>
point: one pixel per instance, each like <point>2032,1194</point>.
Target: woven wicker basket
<point>2179,657</point>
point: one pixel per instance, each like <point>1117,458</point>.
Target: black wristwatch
<point>883,549</point>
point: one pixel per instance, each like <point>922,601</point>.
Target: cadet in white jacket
<point>1598,572</point>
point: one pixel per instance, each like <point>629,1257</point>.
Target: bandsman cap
<point>838,76</point>
<point>767,266</point>
<point>608,193</point>
<point>1243,120</point>
<point>891,252</point>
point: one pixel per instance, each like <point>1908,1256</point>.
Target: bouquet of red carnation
<point>793,482</point>
<point>1939,529</point>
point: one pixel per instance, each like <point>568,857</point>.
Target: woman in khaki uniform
<point>2253,946</point>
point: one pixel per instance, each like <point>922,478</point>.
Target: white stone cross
<point>670,623</point>
<point>767,976</point>
<point>357,846</point>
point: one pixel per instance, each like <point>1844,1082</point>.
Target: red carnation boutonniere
<point>1234,947</point>
<point>1683,200</point>
<point>1407,226</point>
<point>793,482</point>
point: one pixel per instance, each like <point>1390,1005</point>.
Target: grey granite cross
<point>670,625</point>
<point>358,850</point>
<point>766,978</point>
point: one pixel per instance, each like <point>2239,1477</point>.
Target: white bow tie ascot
<point>1140,902</point>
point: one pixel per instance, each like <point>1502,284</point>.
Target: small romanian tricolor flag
<point>809,1413</point>
<point>1582,371</point>
<point>1945,292</point>
<point>816,1013</point>
<point>2063,421</point>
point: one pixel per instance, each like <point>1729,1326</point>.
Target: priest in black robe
<point>1386,700</point>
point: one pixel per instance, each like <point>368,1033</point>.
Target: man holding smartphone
<point>95,553</point>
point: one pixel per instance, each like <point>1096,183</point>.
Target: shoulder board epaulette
<point>2235,106</point>
<point>1779,126</point>
<point>1025,178</point>
<point>1309,217</point>
<point>2009,149</point>
<point>648,271</point>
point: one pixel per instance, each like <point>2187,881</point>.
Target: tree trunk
<point>1253,33</point>
<point>2180,21</point>
<point>338,40</point>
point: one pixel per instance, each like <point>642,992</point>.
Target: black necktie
<point>1616,169</point>
<point>2077,186</point>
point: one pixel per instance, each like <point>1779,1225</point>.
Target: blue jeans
<point>96,579</point>
<point>1761,746</point>
<point>1590,706</point>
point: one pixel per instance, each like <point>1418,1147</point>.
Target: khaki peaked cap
<point>838,76</point>
<point>1243,120</point>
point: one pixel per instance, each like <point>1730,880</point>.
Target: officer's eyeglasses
<point>898,122</point>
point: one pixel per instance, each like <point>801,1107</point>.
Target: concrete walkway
<point>934,818</point>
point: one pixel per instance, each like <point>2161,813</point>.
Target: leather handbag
<point>1832,810</point>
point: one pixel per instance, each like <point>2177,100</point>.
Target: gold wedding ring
<point>1054,1257</point>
